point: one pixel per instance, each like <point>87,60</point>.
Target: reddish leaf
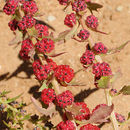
<point>100,115</point>
<point>55,55</point>
<point>50,111</point>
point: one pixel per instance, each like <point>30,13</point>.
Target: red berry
<point>92,22</point>
<point>98,106</point>
<point>89,127</point>
<point>64,99</point>
<point>87,57</point>
<point>83,34</point>
<point>67,125</point>
<point>120,118</point>
<point>99,48</point>
<point>29,7</point>
<point>48,95</point>
<point>45,45</point>
<point>64,2</point>
<point>113,92</point>
<point>27,45</point>
<point>101,69</point>
<point>13,24</point>
<point>64,73</point>
<point>70,20</point>
<point>42,30</point>
<point>10,7</point>
<point>79,5</point>
<point>85,111</point>
<point>27,22</point>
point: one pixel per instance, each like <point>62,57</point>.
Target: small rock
<point>119,8</point>
<point>51,18</point>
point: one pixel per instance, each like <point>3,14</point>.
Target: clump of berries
<point>48,95</point>
<point>83,34</point>
<point>64,73</point>
<point>64,99</point>
<point>70,20</point>
<point>26,46</point>
<point>13,24</point>
<point>92,22</point>
<point>89,127</point>
<point>99,48</point>
<point>45,45</point>
<point>87,57</point>
<point>120,118</point>
<point>67,125</point>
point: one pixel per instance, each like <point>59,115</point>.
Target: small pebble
<point>51,18</point>
<point>119,8</point>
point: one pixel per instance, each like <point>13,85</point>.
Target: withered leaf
<point>100,115</point>
<point>74,109</point>
<point>93,6</point>
<point>55,55</point>
<point>50,111</point>
<point>125,90</point>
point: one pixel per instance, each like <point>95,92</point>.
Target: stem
<point>112,116</point>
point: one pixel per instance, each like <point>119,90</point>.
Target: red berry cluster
<point>26,46</point>
<point>85,111</point>
<point>120,118</point>
<point>13,24</point>
<point>45,45</point>
<point>67,125</point>
<point>99,48</point>
<point>64,73</point>
<point>87,57</point>
<point>83,34</point>
<point>48,95</point>
<point>70,20</point>
<point>64,99</point>
<point>101,69</point>
<point>89,127</point>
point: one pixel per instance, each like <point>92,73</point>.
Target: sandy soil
<point>15,75</point>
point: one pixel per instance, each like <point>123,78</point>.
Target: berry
<point>87,57</point>
<point>42,30</point>
<point>85,111</point>
<point>70,20</point>
<point>113,92</point>
<point>13,24</point>
<point>27,22</point>
<point>64,73</point>
<point>41,71</point>
<point>64,2</point>
<point>98,106</point>
<point>48,95</point>
<point>45,45</point>
<point>64,99</point>
<point>101,69</point>
<point>26,46</point>
<point>120,118</point>
<point>79,5</point>
<point>92,22</point>
<point>30,7</point>
<point>67,125</point>
<point>89,127</point>
<point>52,64</point>
<point>99,48</point>
<point>10,7</point>
<point>83,34</point>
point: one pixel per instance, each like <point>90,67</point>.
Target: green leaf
<point>26,117</point>
<point>125,90</point>
<point>128,116</point>
<point>4,93</point>
<point>13,99</point>
<point>93,6</point>
<point>104,81</point>
<point>43,86</point>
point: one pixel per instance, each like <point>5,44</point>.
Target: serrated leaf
<point>100,115</point>
<point>125,90</point>
<point>118,49</point>
<point>43,87</point>
<point>50,111</point>
<point>13,99</point>
<point>18,38</point>
<point>128,116</point>
<point>103,82</point>
<point>93,6</point>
